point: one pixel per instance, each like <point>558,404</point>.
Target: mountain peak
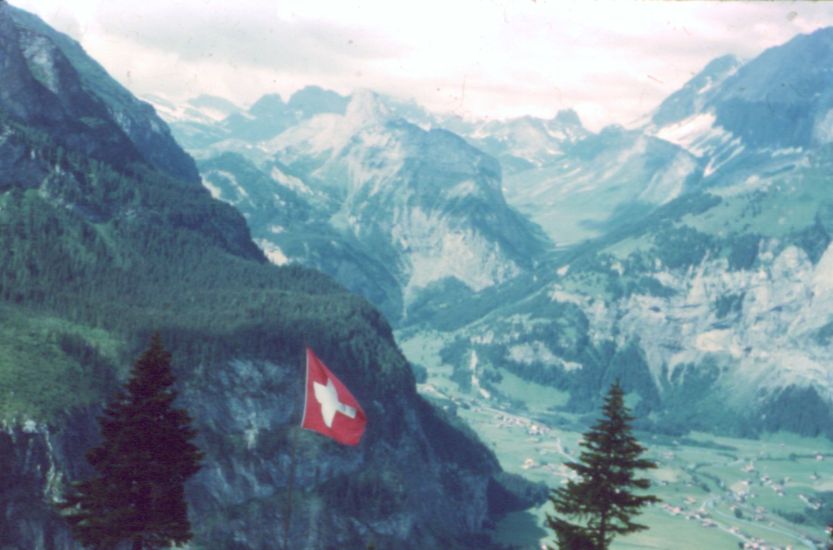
<point>694,94</point>
<point>213,101</point>
<point>567,117</point>
<point>313,100</point>
<point>782,97</point>
<point>268,104</point>
<point>367,107</point>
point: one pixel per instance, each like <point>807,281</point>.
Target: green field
<point>716,491</point>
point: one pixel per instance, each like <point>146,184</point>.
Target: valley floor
<point>717,492</point>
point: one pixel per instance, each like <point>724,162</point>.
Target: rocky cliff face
<point>415,482</point>
<point>31,480</point>
<point>337,499</point>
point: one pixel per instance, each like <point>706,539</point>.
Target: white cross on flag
<point>329,407</point>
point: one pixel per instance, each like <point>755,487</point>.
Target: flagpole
<point>293,447</point>
<point>290,485</point>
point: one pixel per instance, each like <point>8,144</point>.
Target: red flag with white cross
<point>330,409</point>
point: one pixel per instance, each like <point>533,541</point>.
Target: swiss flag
<point>329,407</point>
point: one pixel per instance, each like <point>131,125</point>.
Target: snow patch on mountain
<point>200,110</point>
<point>695,133</point>
<point>703,137</point>
<point>215,191</point>
<point>823,129</point>
<point>750,184</point>
<point>537,353</point>
<point>272,251</point>
<point>223,185</point>
<point>290,182</point>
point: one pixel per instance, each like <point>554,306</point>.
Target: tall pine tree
<point>146,455</point>
<point>601,498</point>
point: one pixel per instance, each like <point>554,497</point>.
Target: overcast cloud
<point>611,61</point>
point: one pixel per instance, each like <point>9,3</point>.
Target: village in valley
<point>716,492</point>
<point>756,493</point>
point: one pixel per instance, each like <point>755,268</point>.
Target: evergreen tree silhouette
<point>146,455</point>
<point>602,498</point>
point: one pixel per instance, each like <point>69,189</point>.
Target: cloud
<point>253,38</point>
<point>612,61</point>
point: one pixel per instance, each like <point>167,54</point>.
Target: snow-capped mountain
<point>692,98</point>
<point>527,142</point>
<point>770,110</point>
<point>577,185</point>
<point>387,207</point>
<point>208,125</point>
<point>203,109</point>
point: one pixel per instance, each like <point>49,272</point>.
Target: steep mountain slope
<point>715,308</point>
<point>425,200</point>
<point>697,92</point>
<point>106,236</point>
<point>291,223</point>
<point>58,88</point>
<point>770,109</point>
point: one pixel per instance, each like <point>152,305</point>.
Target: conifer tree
<point>145,457</point>
<point>601,498</point>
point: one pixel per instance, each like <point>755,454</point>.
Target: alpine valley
<point>688,256</point>
<point>527,262</point>
<point>478,284</point>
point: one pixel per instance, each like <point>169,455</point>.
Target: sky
<point>613,62</point>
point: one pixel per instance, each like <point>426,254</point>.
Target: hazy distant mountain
<point>198,127</point>
<point>395,209</point>
<point>776,105</point>
<point>601,182</point>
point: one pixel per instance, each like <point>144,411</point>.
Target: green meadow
<point>717,492</point>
